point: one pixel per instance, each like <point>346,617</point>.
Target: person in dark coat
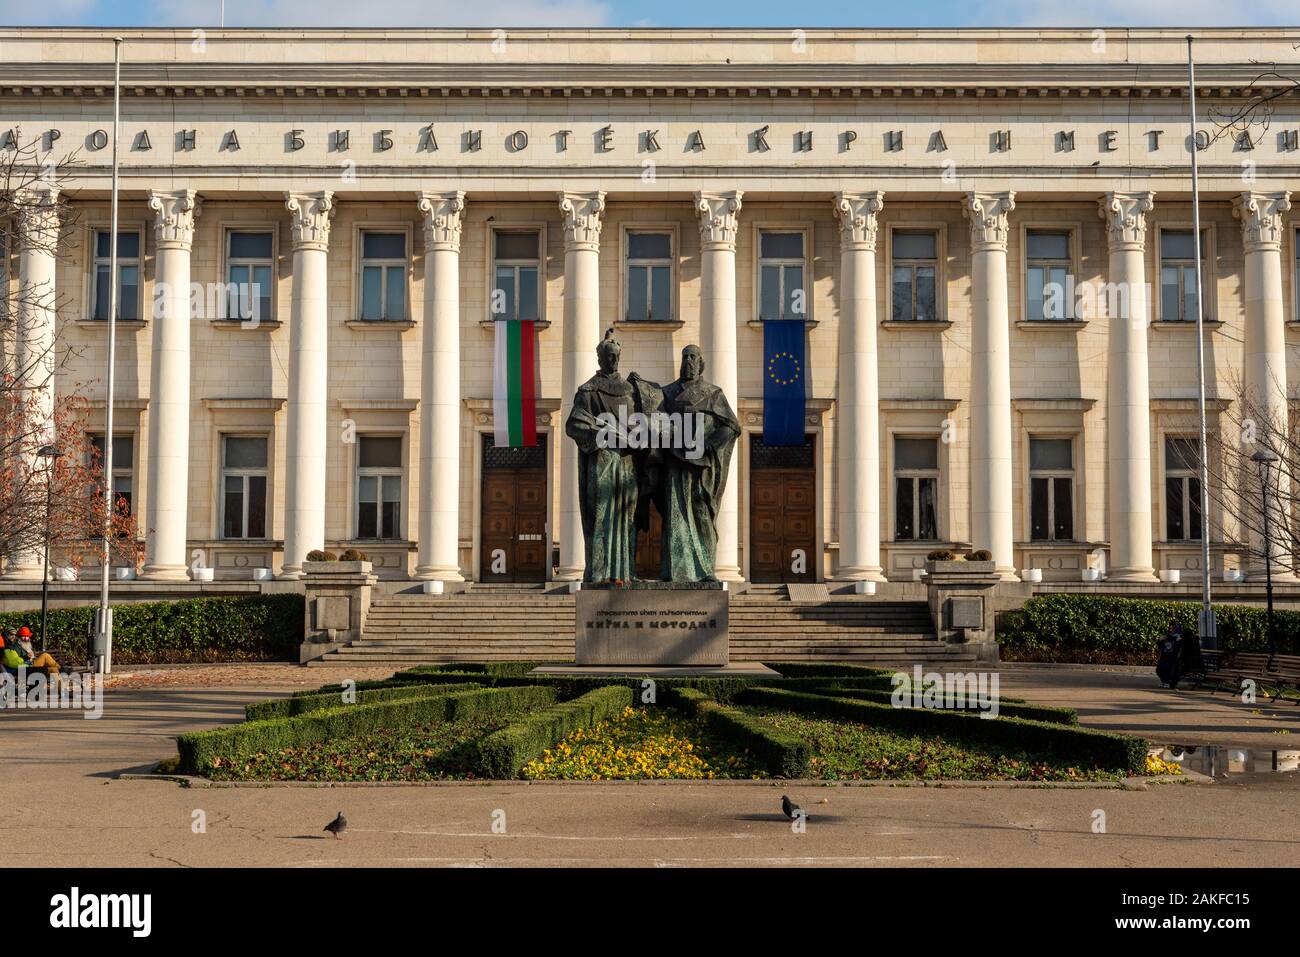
<point>1171,649</point>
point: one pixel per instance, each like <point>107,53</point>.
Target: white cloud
<point>385,13</point>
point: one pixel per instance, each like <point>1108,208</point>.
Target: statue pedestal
<point>652,623</point>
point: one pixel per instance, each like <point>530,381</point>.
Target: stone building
<point>319,230</point>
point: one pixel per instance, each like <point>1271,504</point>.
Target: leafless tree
<point>1253,114</point>
<point>63,492</point>
<point>1247,494</point>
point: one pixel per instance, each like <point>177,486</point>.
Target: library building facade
<point>332,243</point>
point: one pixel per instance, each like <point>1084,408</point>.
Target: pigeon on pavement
<point>337,826</point>
<point>789,807</point>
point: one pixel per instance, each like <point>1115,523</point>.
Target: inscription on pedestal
<point>651,626</point>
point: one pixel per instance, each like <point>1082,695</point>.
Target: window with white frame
<point>916,489</point>
<point>649,276</point>
<point>1182,489</point>
<point>383,276</point>
<point>243,486</point>
<point>379,486</point>
<point>914,271</point>
<point>1051,489</point>
<point>782,270</point>
<point>516,267</point>
<point>1047,271</point>
<point>250,268</point>
<point>128,274</point>
<point>1178,275</point>
<point>123,464</point>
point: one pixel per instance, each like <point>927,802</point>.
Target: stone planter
<point>336,568</point>
<point>958,567</point>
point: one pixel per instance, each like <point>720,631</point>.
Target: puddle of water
<point>1219,762</point>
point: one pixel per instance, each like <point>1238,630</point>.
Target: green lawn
<point>845,751</point>
<point>435,750</point>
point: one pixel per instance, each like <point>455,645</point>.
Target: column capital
<point>442,219</point>
<point>174,220</point>
<point>989,218</point>
<point>311,214</point>
<point>719,217</point>
<point>1261,219</point>
<point>38,215</point>
<point>857,215</point>
<point>1125,215</point>
<point>583,215</point>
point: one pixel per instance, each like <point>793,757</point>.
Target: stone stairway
<point>521,623</point>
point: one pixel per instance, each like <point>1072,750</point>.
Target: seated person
<point>10,659</point>
<point>43,662</point>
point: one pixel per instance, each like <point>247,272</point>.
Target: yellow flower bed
<point>1158,765</point>
<point>640,744</point>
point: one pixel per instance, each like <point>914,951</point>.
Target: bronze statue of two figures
<point>642,445</point>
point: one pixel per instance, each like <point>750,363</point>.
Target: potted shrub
<point>944,561</point>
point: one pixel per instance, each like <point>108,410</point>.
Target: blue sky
<point>661,13</point>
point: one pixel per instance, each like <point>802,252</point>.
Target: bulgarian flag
<point>514,392</point>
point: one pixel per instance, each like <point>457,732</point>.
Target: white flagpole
<point>105,663</point>
<point>1207,630</point>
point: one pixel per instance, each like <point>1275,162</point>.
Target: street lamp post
<point>51,454</point>
<point>1263,459</point>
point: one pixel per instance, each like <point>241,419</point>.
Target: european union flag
<point>784,370</point>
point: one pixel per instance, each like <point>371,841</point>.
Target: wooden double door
<point>782,513</point>
<point>513,540</point>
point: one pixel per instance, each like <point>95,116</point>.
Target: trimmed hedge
<point>497,669</point>
<point>570,686</point>
<point>301,704</point>
<point>1007,707</point>
<point>368,685</point>
<point>784,755</point>
<point>503,753</point>
<point>801,669</point>
<point>1102,630</point>
<point>234,628</point>
<point>198,750</point>
<point>1080,746</point>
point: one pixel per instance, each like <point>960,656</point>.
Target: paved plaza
<point>59,775</point>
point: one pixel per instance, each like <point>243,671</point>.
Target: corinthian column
<point>33,348</point>
<point>1128,391</point>
<point>304,513</point>
<point>439,554</point>
<point>1265,346</point>
<point>583,215</point>
<point>857,408</point>
<point>169,386</point>
<point>719,219</point>
<point>990,409</point>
